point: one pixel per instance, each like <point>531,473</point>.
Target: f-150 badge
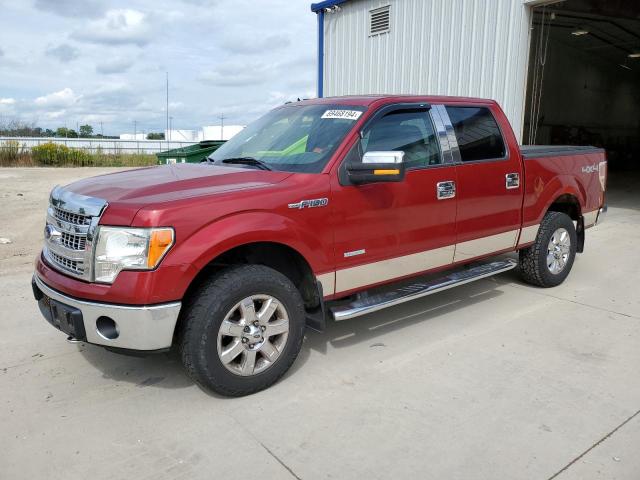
<point>314,202</point>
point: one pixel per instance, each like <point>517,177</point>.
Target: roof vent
<point>379,20</point>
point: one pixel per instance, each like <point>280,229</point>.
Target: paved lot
<point>493,380</point>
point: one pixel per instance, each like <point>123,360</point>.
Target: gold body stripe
<point>528,234</point>
<point>362,275</point>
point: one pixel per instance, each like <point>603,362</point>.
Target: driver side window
<point>410,131</point>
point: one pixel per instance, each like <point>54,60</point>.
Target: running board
<point>395,296</point>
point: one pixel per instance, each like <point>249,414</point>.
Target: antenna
<point>221,117</point>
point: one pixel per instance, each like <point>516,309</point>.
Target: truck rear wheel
<point>242,330</point>
<point>548,261</point>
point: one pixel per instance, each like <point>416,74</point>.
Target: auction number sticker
<point>346,114</point>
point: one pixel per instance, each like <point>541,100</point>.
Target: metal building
<point>564,71</point>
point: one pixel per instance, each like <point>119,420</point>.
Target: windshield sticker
<point>345,114</point>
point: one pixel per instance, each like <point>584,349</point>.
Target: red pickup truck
<point>333,207</point>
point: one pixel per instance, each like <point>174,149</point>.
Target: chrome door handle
<point>512,180</point>
<point>446,189</point>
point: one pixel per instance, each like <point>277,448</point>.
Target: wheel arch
<point>273,254</point>
<point>569,204</point>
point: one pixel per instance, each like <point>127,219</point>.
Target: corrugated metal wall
<point>452,47</point>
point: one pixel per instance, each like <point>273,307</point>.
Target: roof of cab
<point>367,100</point>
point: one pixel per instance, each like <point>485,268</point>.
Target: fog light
<point>107,328</point>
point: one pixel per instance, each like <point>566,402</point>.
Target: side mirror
<point>377,167</point>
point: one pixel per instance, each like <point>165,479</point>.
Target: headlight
<point>129,249</point>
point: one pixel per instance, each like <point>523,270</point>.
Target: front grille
<point>73,218</point>
<point>74,242</point>
<point>73,266</point>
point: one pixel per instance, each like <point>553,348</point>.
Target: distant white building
<point>209,132</point>
<point>181,135</point>
<point>132,136</point>
<point>216,132</point>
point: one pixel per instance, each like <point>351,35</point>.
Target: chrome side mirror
<point>377,167</point>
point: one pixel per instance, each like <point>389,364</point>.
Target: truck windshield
<point>293,138</point>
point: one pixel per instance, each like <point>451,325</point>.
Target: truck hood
<point>127,192</point>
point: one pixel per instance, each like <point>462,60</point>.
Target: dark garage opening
<point>584,81</point>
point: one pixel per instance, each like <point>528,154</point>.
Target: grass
<point>13,154</point>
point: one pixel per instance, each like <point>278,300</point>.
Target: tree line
<point>17,128</point>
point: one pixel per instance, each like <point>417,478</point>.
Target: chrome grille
<point>71,222</point>
<point>74,242</point>
<point>70,217</point>
<point>73,266</point>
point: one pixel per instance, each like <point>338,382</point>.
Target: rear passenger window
<point>478,135</point>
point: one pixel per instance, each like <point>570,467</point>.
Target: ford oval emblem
<point>51,233</point>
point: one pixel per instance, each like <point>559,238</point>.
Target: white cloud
<point>114,65</point>
<point>238,74</point>
<point>117,27</point>
<point>7,101</point>
<point>72,8</point>
<point>62,98</point>
<point>246,45</point>
<point>63,52</point>
<point>55,114</point>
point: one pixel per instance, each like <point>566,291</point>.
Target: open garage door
<point>584,79</point>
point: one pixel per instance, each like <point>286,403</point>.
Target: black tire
<point>533,259</point>
<point>207,309</point>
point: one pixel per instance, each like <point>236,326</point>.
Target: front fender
<point>250,227</point>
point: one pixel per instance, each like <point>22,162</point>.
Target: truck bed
<point>539,151</point>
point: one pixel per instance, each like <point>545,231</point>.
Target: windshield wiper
<point>248,161</point>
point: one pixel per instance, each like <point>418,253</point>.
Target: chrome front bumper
<point>137,327</point>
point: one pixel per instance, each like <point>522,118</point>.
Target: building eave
<point>316,7</point>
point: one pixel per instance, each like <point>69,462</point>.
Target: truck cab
<point>322,209</point>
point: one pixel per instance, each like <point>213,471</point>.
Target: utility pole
<point>168,127</point>
<point>170,120</point>
<point>101,130</point>
<point>135,129</point>
<point>221,117</point>
<point>77,129</point>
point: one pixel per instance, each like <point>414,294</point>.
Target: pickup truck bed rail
<point>540,151</point>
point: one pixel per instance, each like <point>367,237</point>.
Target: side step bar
<point>369,303</point>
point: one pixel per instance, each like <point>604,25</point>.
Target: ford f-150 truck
<point>326,208</point>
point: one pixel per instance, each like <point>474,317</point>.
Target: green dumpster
<point>191,154</point>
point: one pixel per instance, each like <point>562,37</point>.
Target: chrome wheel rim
<point>558,251</point>
<point>253,335</point>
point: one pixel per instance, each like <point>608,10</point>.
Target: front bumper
<point>136,327</point>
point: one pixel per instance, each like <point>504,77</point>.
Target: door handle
<point>512,180</point>
<point>446,189</point>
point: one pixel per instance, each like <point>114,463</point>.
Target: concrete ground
<point>493,380</point>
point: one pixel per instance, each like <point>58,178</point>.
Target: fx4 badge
<point>314,202</point>
<point>590,168</point>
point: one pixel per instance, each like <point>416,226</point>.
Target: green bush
<point>56,155</point>
<point>59,155</point>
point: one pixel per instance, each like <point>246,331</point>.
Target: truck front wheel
<point>548,261</point>
<point>242,330</point>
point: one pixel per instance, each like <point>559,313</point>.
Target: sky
<point>69,62</point>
